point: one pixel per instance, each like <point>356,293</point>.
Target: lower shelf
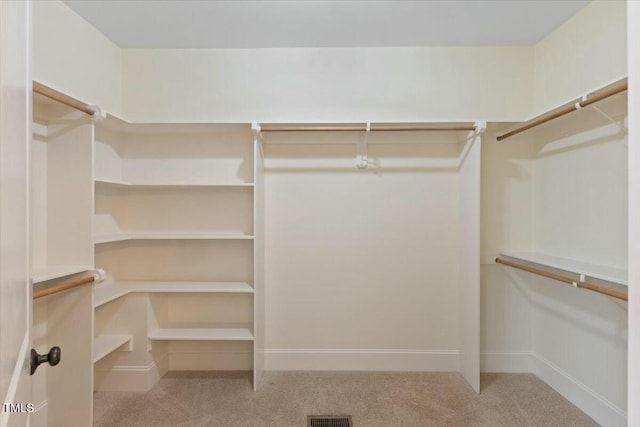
<point>148,235</point>
<point>105,344</point>
<point>110,290</point>
<point>202,334</point>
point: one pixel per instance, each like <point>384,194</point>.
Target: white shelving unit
<point>175,227</point>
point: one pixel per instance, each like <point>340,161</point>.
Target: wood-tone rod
<point>62,98</point>
<point>313,128</point>
<point>566,110</point>
<point>454,128</point>
<point>560,278</point>
<point>391,128</point>
<point>63,287</point>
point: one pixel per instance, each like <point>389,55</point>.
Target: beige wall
<point>587,52</point>
<point>315,85</point>
<point>75,58</point>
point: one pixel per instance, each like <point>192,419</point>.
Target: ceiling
<point>305,23</point>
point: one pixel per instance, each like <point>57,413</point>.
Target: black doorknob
<point>52,358</point>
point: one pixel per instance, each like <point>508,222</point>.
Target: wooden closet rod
<point>566,110</point>
<point>363,128</point>
<point>62,98</point>
<point>63,287</point>
<point>565,279</point>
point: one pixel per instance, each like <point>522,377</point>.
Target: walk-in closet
<point>292,213</point>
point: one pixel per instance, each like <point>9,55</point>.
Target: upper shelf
<point>601,272</point>
<point>616,90</point>
<point>121,124</point>
<point>43,274</point>
<point>124,184</point>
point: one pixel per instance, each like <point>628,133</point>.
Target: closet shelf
<point>118,237</point>
<point>228,333</point>
<point>57,271</point>
<point>111,290</point>
<point>104,345</point>
<point>125,184</point>
<point>600,272</point>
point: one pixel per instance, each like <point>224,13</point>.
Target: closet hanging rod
<point>363,128</point>
<point>96,277</point>
<point>566,110</point>
<point>63,98</point>
<point>578,283</point>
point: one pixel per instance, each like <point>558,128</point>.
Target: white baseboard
<point>281,359</point>
<point>131,378</point>
<point>589,401</point>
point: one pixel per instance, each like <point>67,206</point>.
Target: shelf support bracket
<point>362,158</point>
<point>257,136</point>
<point>611,120</point>
<point>99,113</point>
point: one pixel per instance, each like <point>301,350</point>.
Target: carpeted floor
<point>373,399</point>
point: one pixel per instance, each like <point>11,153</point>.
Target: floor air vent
<point>329,421</point>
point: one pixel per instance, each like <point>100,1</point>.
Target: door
<point>15,291</point>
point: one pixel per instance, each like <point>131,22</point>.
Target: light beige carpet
<point>373,399</point>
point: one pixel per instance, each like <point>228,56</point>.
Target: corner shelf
<point>600,272</point>
<point>57,271</point>
<point>118,237</point>
<point>104,345</point>
<point>228,333</point>
<point>109,291</point>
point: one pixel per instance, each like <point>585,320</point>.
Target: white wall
<point>585,53</point>
<point>362,265</point>
<point>634,212</point>
<point>75,58</point>
<point>349,84</point>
